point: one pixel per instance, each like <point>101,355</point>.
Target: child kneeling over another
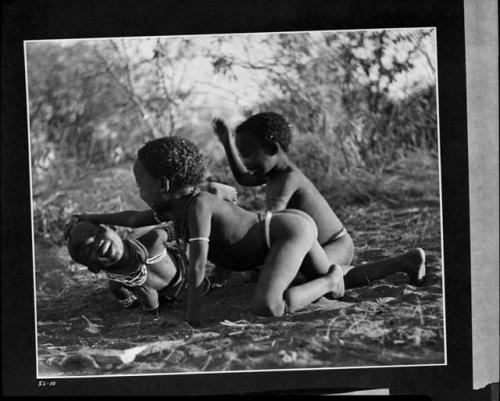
<point>168,172</point>
<point>262,142</point>
<point>140,270</point>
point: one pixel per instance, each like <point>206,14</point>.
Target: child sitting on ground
<point>168,172</point>
<point>262,142</point>
<point>140,270</point>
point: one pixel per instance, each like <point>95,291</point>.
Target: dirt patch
<point>83,331</point>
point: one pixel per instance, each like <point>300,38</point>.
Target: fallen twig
<point>234,333</point>
<point>327,335</point>
<point>205,365</point>
<point>92,327</point>
<point>241,323</point>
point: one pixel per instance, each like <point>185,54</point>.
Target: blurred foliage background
<point>362,105</point>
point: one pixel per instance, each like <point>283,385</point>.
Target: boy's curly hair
<point>173,157</point>
<point>271,127</point>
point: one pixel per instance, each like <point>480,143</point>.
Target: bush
<point>50,221</point>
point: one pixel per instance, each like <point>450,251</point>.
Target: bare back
<point>236,240</point>
<point>296,191</point>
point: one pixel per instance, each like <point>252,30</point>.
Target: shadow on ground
<point>83,331</point>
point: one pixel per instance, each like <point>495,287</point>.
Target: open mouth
<point>105,250</point>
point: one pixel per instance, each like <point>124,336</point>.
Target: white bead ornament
<point>198,239</point>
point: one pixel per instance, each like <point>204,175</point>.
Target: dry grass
<point>82,331</point>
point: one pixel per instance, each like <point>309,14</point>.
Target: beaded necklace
<point>139,275</point>
<point>180,223</point>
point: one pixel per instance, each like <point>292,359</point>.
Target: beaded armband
<point>198,239</point>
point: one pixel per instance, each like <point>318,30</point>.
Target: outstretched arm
<point>128,218</point>
<point>242,176</point>
<point>199,218</point>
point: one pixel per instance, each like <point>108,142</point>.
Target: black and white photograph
<point>340,125</point>
<point>222,204</point>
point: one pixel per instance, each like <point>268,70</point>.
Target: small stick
<point>327,335</point>
<point>206,362</point>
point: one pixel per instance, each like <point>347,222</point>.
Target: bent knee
<point>269,308</point>
<point>341,251</point>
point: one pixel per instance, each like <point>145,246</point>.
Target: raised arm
<point>127,218</point>
<point>242,176</point>
<point>199,217</point>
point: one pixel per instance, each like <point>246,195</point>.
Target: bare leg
<point>340,252</point>
<point>292,237</point>
<point>411,262</point>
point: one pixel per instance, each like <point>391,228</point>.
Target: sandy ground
<point>83,331</point>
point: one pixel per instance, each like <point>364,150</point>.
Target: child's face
<point>96,246</point>
<point>256,155</point>
<point>150,189</point>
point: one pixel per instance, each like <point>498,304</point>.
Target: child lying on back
<point>140,270</point>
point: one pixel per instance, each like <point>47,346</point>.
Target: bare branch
<point>129,91</point>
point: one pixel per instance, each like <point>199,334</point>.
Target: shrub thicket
<point>93,104</point>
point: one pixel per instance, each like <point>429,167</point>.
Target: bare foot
<point>336,275</point>
<point>415,265</point>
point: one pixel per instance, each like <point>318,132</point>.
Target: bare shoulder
<point>294,177</point>
<point>301,178</point>
<point>205,199</point>
<point>287,177</point>
<point>154,240</point>
<point>204,203</point>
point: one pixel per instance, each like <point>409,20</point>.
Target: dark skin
<point>267,163</point>
<point>102,249</point>
<point>231,236</point>
<point>144,218</point>
<point>236,242</point>
<point>262,163</point>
